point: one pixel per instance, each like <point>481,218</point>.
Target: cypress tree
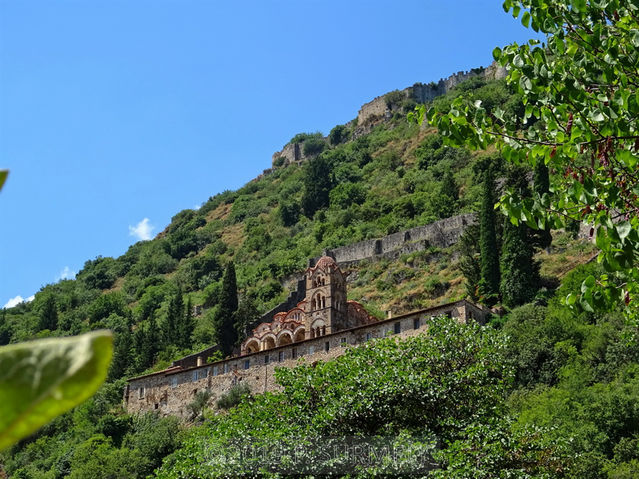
<point>122,353</point>
<point>469,262</point>
<point>489,251</point>
<point>541,185</point>
<point>174,318</point>
<point>444,204</point>
<point>48,317</point>
<point>317,185</point>
<point>519,276</point>
<point>225,331</point>
<point>449,187</point>
<point>519,271</point>
<point>187,326</point>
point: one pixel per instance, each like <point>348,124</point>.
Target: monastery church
<point>323,311</point>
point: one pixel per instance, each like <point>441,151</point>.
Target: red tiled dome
<point>325,261</point>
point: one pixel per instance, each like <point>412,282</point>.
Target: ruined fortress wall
<point>292,153</point>
<point>441,234</point>
<point>169,392</point>
<point>422,93</point>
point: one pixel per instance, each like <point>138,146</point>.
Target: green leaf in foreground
<point>3,177</point>
<point>41,379</point>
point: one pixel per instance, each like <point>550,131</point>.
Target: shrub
<point>394,98</point>
<point>345,194</point>
<point>338,135</point>
<point>302,137</point>
<point>233,397</point>
<point>313,146</point>
<point>289,213</point>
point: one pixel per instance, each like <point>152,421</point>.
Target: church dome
<point>324,262</point>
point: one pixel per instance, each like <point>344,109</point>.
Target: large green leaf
<point>41,379</point>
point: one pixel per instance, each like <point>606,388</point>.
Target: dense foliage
<point>580,92</point>
<point>430,395</point>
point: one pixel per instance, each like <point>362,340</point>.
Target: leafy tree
<point>225,331</point>
<point>199,403</point>
<point>450,385</point>
<point>313,146</point>
<point>338,134</point>
<point>97,458</point>
<point>155,437</point>
<point>99,273</point>
<point>346,194</point>
<point>233,397</point>
<point>317,185</point>
<point>580,91</point>
<point>289,213</point>
<point>489,250</point>
<point>105,305</point>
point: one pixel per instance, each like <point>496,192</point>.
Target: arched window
<point>323,302</point>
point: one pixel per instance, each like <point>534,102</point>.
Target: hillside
<point>376,175</point>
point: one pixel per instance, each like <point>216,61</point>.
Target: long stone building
<point>320,327</point>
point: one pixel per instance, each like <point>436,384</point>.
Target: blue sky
<point>116,115</point>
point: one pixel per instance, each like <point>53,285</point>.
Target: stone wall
<point>440,234</point>
<point>169,392</point>
<point>378,109</point>
<point>292,153</point>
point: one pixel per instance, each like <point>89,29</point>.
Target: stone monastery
<point>320,327</point>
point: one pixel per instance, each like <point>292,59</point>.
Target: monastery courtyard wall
<point>169,392</point>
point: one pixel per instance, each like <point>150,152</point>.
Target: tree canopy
<point>580,91</point>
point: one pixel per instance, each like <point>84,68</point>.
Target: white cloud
<point>142,230</point>
<point>197,207</point>
<point>17,300</point>
<point>30,298</point>
<point>66,273</point>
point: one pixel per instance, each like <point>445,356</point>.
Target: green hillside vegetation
<point>397,176</point>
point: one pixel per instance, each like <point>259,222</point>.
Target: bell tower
<point>326,309</point>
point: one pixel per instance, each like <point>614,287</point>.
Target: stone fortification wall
<point>441,234</point>
<point>292,153</point>
<point>169,392</point>
<point>378,108</point>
